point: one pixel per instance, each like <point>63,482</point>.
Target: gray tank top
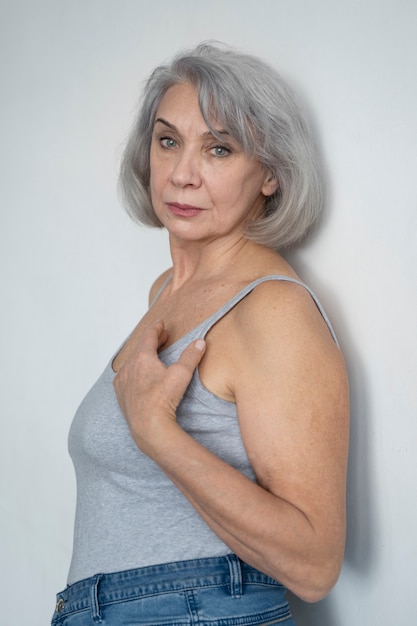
<point>128,513</point>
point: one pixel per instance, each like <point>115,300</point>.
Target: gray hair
<point>257,108</point>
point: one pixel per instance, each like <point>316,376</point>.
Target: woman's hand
<point>149,393</point>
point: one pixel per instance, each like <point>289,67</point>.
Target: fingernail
<point>200,344</point>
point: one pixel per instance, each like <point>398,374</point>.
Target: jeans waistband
<point>101,589</point>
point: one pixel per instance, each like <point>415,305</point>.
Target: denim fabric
<point>220,591</point>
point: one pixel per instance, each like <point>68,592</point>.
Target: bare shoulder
<point>158,284</point>
<point>283,335</point>
<point>283,313</point>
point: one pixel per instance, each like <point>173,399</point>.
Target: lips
<point>184,210</point>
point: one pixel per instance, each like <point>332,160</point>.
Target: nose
<point>186,170</point>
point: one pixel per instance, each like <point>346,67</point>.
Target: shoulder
<point>158,284</point>
<point>283,311</point>
<point>284,342</point>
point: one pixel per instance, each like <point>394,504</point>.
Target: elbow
<point>315,591</point>
<point>318,571</point>
<point>316,581</point>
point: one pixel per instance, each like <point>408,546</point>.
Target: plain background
<point>76,271</point>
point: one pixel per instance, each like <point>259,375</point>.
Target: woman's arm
<point>291,394</point>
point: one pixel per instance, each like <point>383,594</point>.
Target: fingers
<point>179,374</point>
<point>154,337</point>
<point>194,352</point>
<point>145,386</point>
<point>190,358</point>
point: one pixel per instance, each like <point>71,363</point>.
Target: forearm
<point>264,530</point>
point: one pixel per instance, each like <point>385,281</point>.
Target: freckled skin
<point>272,355</point>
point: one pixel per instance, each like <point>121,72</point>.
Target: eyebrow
<point>206,134</point>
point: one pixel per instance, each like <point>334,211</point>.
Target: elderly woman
<point>211,453</point>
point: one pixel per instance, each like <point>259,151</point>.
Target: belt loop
<point>95,606</point>
<point>236,587</point>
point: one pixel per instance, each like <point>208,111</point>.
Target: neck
<point>193,261</point>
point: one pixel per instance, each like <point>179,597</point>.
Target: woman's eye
<point>220,151</point>
<point>167,142</point>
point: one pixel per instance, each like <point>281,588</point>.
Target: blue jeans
<point>219,591</point>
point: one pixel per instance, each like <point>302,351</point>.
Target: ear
<point>270,185</point>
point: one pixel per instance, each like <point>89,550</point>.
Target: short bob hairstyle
<point>257,108</point>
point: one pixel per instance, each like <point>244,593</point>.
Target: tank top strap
<point>228,306</point>
<point>160,290</point>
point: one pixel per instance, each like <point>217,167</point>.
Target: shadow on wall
<point>360,553</point>
<point>322,613</point>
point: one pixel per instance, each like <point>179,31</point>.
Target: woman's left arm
<point>291,393</point>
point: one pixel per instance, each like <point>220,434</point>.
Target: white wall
<point>76,272</point>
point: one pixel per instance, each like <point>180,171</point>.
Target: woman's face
<point>201,189</point>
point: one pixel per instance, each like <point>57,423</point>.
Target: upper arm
<point>292,399</point>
